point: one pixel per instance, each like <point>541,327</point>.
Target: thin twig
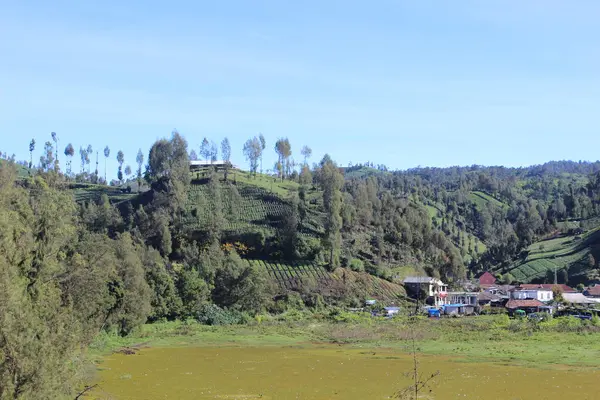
<point>87,389</point>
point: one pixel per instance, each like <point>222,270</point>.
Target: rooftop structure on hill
<point>199,164</point>
<point>537,293</point>
<point>525,305</point>
<point>548,286</point>
<point>487,279</point>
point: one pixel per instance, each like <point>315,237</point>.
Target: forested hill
<point>181,239</point>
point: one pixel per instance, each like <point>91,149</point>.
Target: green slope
<point>570,252</point>
<point>293,276</point>
<point>248,204</point>
<point>481,199</point>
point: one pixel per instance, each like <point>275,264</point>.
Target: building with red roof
<point>547,286</point>
<point>529,306</point>
<point>592,291</point>
<point>487,279</point>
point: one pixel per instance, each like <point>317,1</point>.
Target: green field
<point>481,199</point>
<point>86,192</point>
<point>571,252</point>
<point>248,204</point>
<point>478,339</point>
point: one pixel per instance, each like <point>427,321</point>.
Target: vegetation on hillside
<point>80,257</point>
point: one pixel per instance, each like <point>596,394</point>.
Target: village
<point>485,295</point>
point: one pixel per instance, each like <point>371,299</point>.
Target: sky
<point>400,83</point>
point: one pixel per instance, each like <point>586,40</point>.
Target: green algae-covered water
<point>328,372</point>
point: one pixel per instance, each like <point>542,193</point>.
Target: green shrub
<point>211,314</point>
<point>357,265</point>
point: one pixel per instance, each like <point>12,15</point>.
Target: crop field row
<point>241,206</point>
<point>292,276</point>
<point>86,193</point>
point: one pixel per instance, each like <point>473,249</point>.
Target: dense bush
<point>212,314</point>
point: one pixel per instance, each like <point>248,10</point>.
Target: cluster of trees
<point>69,271</point>
<point>49,161</point>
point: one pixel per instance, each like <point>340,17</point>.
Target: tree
<point>226,153</point>
<point>205,149</point>
<point>507,279</point>
<point>252,151</point>
<point>120,160</point>
<point>214,152</point>
<point>47,159</point>
<point>216,220</point>
<point>139,159</point>
<point>284,151</point>
<point>306,153</point>
<point>31,149</point>
<point>333,182</point>
<point>168,169</point>
<point>83,154</point>
<point>69,152</point>
<point>591,261</point>
<point>106,155</point>
<point>89,152</point>
<point>127,171</point>
<point>241,286</point>
<point>55,139</point>
<point>305,176</point>
<point>193,155</point>
<point>263,146</point>
<point>288,232</point>
<point>563,276</point>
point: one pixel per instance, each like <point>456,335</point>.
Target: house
<point>423,287</point>
<point>592,291</point>
<point>529,306</point>
<point>487,279</point>
<point>548,286</point>
<point>537,293</point>
<point>500,290</point>
<point>469,298</point>
<point>196,165</point>
<point>489,299</point>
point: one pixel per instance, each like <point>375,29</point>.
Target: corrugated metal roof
<point>420,279</point>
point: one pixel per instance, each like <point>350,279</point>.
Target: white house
<point>469,298</point>
<point>434,290</point>
<point>540,294</point>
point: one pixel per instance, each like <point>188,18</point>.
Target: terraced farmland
<point>292,276</point>
<point>243,206</point>
<point>84,192</point>
<point>569,252</point>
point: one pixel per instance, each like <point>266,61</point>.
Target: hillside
<point>310,277</point>
<point>574,254</point>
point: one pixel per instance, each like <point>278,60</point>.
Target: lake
<point>327,372</point>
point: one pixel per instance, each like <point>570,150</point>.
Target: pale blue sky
<point>404,83</point>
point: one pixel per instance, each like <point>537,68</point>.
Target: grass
<point>557,343</point>
<point>481,199</point>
